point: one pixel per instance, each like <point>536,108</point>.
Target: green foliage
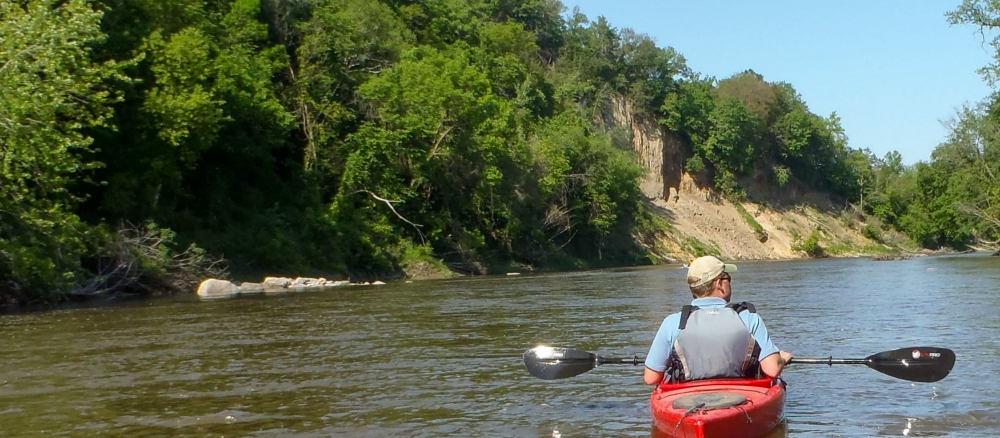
<point>811,245</point>
<point>698,248</point>
<point>746,124</point>
<point>757,228</point>
<point>872,233</point>
<point>781,174</point>
<point>590,190</point>
<point>838,248</point>
<point>52,93</point>
<point>795,132</point>
<point>733,137</point>
<point>687,110</point>
<point>985,15</point>
<point>411,253</point>
<point>759,97</point>
<point>337,46</point>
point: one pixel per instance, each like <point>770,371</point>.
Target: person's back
<point>709,338</point>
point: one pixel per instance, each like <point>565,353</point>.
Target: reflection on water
<point>443,358</point>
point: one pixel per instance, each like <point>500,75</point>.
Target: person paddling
<point>712,338</point>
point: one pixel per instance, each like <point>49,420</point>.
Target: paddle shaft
<point>636,360</point>
<point>830,361</point>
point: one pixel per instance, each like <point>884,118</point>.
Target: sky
<point>892,70</point>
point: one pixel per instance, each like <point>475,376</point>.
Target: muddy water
<point>443,358</point>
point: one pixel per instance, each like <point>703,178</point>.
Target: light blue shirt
<point>663,343</point>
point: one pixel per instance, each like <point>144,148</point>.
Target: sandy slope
<point>701,214</point>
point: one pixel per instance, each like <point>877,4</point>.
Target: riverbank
<point>776,225</point>
<point>773,223</point>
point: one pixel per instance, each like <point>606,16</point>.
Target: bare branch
<point>122,269</point>
<point>556,215</point>
<point>389,203</point>
<point>978,212</point>
<point>988,242</point>
<point>439,137</point>
<point>567,241</point>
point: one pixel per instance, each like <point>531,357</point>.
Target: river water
<point>443,358</point>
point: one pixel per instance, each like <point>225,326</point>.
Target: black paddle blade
<point>550,363</point>
<point>916,364</point>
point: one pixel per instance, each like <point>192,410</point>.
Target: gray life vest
<point>713,343</point>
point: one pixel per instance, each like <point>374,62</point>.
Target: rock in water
<point>213,288</point>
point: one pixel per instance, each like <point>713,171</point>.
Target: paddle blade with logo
<point>917,364</point>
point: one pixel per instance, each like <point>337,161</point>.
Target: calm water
<point>443,358</point>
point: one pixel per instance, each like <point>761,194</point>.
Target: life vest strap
<point>741,306</point>
<point>685,314</point>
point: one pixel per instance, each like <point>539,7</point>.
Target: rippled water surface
<point>443,358</point>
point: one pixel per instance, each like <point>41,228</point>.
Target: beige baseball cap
<point>705,269</point>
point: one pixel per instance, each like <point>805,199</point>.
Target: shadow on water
<point>89,303</point>
<point>779,431</point>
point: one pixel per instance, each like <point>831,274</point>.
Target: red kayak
<point>731,408</point>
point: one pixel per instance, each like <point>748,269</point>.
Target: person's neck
<point>716,294</point>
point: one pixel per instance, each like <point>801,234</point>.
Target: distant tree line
<point>140,140</point>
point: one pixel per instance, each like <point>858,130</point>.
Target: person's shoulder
<point>674,318</point>
<point>751,316</point>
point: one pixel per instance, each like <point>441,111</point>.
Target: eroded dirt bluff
<point>701,216</point>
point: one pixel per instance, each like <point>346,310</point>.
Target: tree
<point>343,44</point>
<point>972,152</point>
<point>52,93</point>
<point>976,129</point>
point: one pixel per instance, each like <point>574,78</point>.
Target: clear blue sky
<point>891,69</point>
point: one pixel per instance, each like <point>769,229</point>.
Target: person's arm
<point>652,377</point>
<point>659,351</point>
<point>774,363</point>
<point>773,360</point>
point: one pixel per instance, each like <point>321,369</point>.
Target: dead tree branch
<point>978,212</point>
<point>439,137</point>
<point>389,204</point>
<point>140,259</point>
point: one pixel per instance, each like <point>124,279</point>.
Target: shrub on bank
<point>132,260</point>
<point>811,245</point>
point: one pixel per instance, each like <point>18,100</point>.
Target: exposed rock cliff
<point>660,151</point>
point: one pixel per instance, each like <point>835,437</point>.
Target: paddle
<point>916,364</point>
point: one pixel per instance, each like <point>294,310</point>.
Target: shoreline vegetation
<point>148,146</point>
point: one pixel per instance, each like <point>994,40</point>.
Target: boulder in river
<point>276,283</point>
<point>213,288</point>
<point>251,288</point>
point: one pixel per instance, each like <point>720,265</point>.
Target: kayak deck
<point>731,408</point>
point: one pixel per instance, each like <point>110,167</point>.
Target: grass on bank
<point>757,228</point>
